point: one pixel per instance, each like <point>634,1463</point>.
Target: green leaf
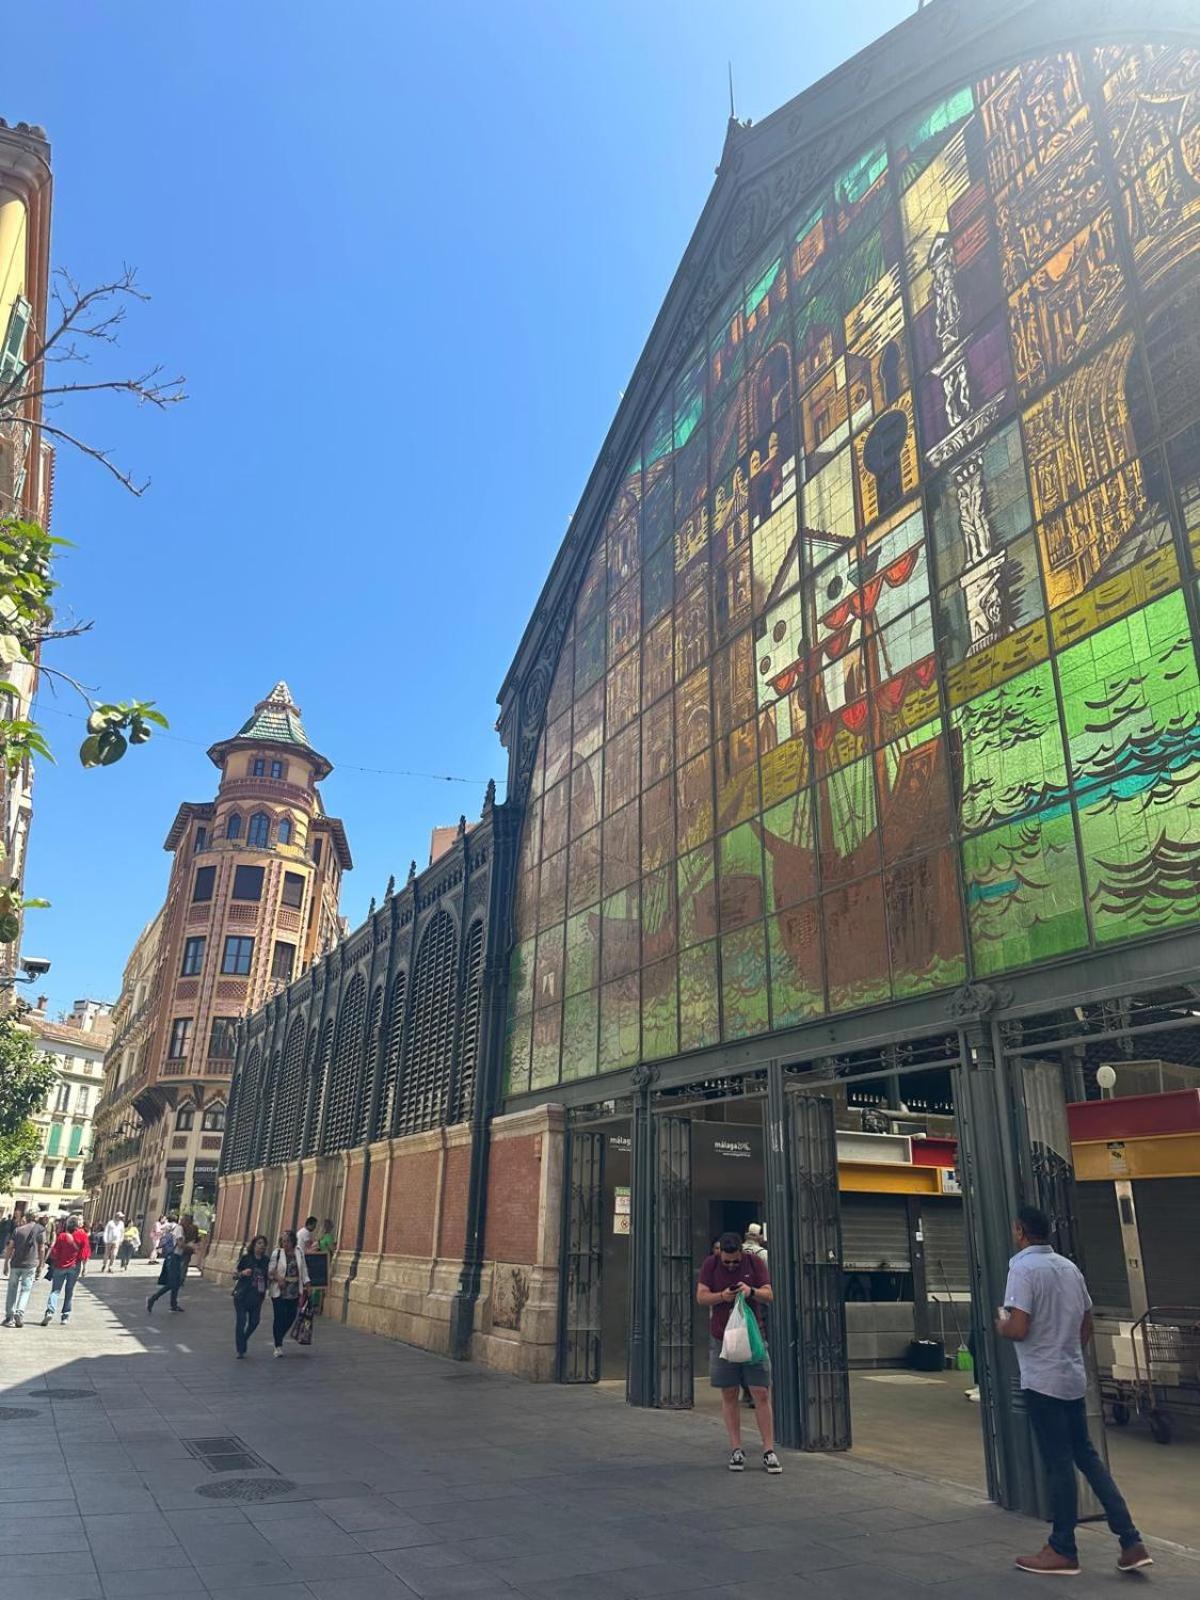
<point>89,751</point>
<point>113,746</point>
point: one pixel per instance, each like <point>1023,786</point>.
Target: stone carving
<point>978,1000</point>
<point>643,1076</point>
<point>510,1297</point>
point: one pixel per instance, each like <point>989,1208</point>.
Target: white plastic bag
<point>735,1346</point>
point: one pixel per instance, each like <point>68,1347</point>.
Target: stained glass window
<point>880,673</point>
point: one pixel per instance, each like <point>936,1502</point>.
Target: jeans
<point>173,1269</point>
<point>20,1282</point>
<point>246,1312</point>
<point>65,1279</point>
<point>283,1314</point>
<point>1060,1428</point>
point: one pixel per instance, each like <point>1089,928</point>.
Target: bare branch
<point>73,632</point>
<point>102,456</point>
<point>147,388</point>
<point>72,683</point>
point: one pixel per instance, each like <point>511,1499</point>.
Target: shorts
<point>732,1374</point>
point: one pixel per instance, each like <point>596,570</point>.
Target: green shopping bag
<point>758,1349</point>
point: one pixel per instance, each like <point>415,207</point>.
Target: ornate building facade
<point>251,902</point>
<point>854,742</point>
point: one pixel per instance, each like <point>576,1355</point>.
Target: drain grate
<point>66,1394</point>
<point>246,1489</point>
<point>226,1453</point>
<point>16,1413</point>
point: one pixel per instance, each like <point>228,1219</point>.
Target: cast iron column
<point>781,1262</point>
<point>643,1345</point>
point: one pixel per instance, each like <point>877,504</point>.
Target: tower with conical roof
<point>252,901</point>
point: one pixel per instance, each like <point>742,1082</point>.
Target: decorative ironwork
<point>820,1307</point>
<point>976,1000</point>
<point>673,1286</point>
<point>583,1258</point>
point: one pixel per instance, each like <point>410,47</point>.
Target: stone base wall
<point>399,1212</point>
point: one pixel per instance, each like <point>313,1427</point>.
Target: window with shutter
<point>286,1128</point>
<point>344,1084</point>
<point>468,1048</point>
<point>393,1045</point>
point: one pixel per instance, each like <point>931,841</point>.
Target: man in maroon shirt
<point>726,1275</point>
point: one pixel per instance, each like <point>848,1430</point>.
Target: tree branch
<point>102,456</point>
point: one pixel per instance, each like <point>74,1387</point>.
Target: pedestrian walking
<point>1047,1313</point>
<point>174,1265</point>
<point>289,1280</point>
<point>130,1245</point>
<point>730,1274</point>
<point>156,1231</point>
<point>114,1232</point>
<point>96,1241</point>
<point>250,1290</point>
<point>24,1255</point>
<point>67,1256</point>
<point>187,1241</point>
<point>755,1243</point>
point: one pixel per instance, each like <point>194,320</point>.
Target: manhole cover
<point>66,1394</point>
<point>15,1413</point>
<point>246,1489</point>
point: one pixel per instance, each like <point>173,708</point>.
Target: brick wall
<point>514,1179</point>
<point>412,1203</point>
<point>454,1201</point>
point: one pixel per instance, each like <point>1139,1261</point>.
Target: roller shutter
<point>1167,1209</point>
<point>1102,1246</point>
<point>945,1247</point>
<point>875,1233</point>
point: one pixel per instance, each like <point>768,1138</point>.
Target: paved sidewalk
<point>390,1473</point>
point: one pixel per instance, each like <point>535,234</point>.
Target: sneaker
<point>279,1352</point>
<point>176,1308</point>
<point>150,1305</point>
<point>241,1355</point>
<point>47,1320</point>
<point>771,1462</point>
<point>18,1321</point>
<point>1135,1558</point>
<point>737,1458</point>
<point>65,1320</point>
<point>972,1394</point>
<point>1049,1561</point>
<point>7,1323</point>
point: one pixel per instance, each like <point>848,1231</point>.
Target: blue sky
<point>407,258</point>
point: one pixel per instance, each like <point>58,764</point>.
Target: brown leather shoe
<point>1049,1561</point>
<point>1134,1559</point>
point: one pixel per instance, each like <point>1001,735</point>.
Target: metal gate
<point>583,1254</point>
<point>824,1388</point>
<point>673,1278</point>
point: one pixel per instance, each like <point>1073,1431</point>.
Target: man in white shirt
<point>1047,1313</point>
<point>306,1236</point>
<point>114,1232</point>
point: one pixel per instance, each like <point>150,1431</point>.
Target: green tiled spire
<point>276,720</point>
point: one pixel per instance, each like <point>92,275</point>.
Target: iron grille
<point>362,1128</point>
<point>262,1125</point>
<point>316,1089</point>
<point>429,1047</point>
<point>584,1252</point>
<point>468,1048</point>
<point>820,1307</point>
<point>345,1068</point>
<point>244,1113</point>
<point>674,1276</point>
<point>285,1125</point>
<point>385,1110</point>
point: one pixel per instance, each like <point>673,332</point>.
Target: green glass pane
<point>1024,896</point>
<point>744,1005</point>
<point>516,1055</point>
<point>699,1020</point>
<point>790,851</point>
<point>548,966</point>
<point>520,978</point>
<point>659,917</point>
<point>1011,751</point>
<point>620,933</point>
<point>579,1044</point>
<point>660,1010</point>
<point>583,950</point>
<point>740,866</point>
<point>697,896</point>
<point>547,1041</point>
<point>620,1024</point>
<point>1142,854</point>
<point>797,984</point>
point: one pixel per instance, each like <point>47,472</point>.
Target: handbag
<point>302,1328</point>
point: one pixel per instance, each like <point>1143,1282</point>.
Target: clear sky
<point>407,257</point>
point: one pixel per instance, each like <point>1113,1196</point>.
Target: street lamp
<point>1106,1079</point>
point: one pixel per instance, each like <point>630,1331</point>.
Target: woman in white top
<point>289,1280</point>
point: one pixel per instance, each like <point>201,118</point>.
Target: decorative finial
<point>391,886</point>
<point>371,907</point>
<point>489,796</point>
<point>412,871</point>
<point>462,826</point>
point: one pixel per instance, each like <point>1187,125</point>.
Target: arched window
<point>429,1045</point>
<point>212,1119</point>
<point>259,832</point>
<point>233,828</point>
<point>283,831</point>
<point>185,1118</point>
